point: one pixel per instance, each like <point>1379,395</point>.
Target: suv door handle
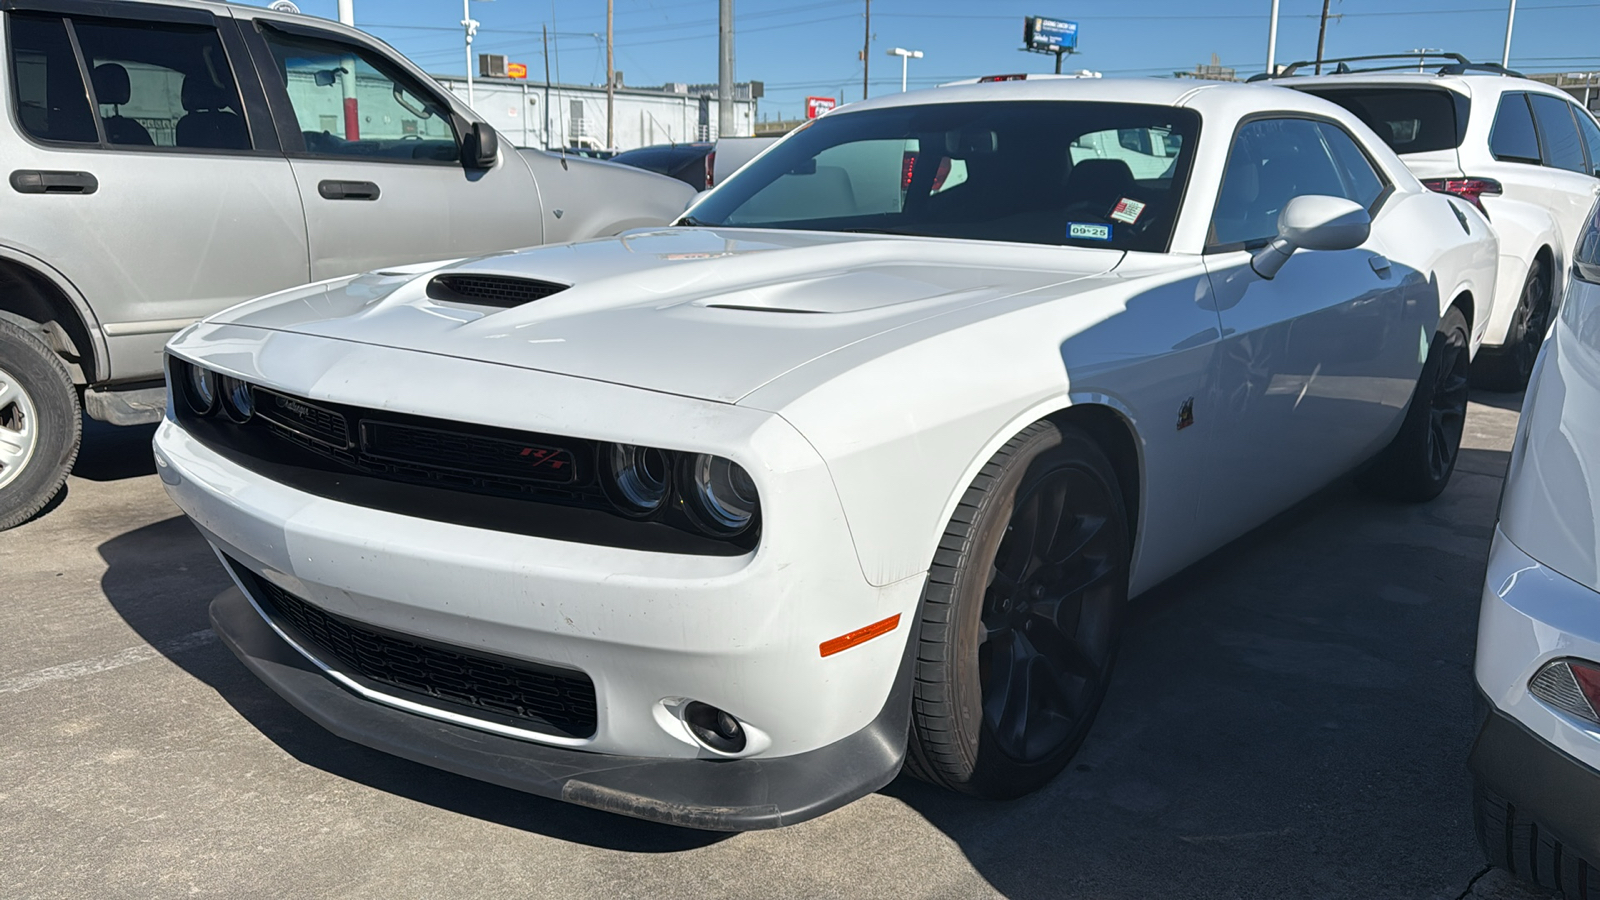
<point>347,190</point>
<point>36,181</point>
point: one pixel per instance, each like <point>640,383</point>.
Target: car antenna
<point>562,145</point>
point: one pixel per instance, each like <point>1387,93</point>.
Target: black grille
<point>304,418</point>
<point>472,454</point>
<point>528,694</point>
<point>491,290</point>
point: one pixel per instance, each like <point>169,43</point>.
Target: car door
<point>145,168</point>
<point>378,154</point>
<point>1568,184</point>
<point>1316,364</point>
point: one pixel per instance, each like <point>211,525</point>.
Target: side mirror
<point>1313,222</point>
<point>483,146</point>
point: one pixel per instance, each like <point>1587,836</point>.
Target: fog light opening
<point>712,727</point>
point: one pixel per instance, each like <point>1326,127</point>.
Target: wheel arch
<point>42,300</point>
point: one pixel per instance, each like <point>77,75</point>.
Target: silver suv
<point>1520,150</point>
<point>164,160</point>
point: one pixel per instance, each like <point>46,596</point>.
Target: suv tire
<point>1021,616</point>
<point>1418,463</point>
<point>39,425</point>
<point>1521,847</point>
<point>1508,367</point>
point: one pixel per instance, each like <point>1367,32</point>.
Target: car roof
<point>1155,91</point>
<point>1461,83</point>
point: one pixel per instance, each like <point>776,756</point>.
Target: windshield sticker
<point>1127,211</point>
<point>1086,231</point>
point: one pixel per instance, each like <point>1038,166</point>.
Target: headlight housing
<point>237,400</point>
<point>721,495</point>
<point>637,479</point>
<point>199,389</point>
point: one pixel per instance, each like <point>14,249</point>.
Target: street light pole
<point>1272,41</point>
<point>1511,18</point>
<point>905,56</point>
<point>725,125</point>
<point>611,81</point>
<point>471,26</point>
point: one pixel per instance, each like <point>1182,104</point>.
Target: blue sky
<point>801,47</point>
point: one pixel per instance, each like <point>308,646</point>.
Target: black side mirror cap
<point>483,146</point>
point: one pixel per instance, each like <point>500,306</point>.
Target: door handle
<point>37,181</point>
<point>1379,263</point>
<point>347,190</point>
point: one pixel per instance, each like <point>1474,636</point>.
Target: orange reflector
<point>860,635</point>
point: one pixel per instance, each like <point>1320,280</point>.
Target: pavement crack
<point>1468,891</point>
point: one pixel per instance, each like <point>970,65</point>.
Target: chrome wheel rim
<point>19,429</point>
<point>1047,638</point>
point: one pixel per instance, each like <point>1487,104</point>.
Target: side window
<point>1591,138</point>
<point>350,101</point>
<point>1362,182</point>
<point>51,99</point>
<point>1272,162</point>
<point>1512,138</point>
<point>1563,146</point>
<point>162,85</point>
<point>1149,152</point>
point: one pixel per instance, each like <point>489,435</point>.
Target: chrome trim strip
<point>396,702</point>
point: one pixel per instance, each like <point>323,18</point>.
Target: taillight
<point>711,169</point>
<point>1468,189</point>
<point>990,79</point>
<point>1570,685</point>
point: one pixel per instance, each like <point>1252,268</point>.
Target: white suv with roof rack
<point>1520,150</point>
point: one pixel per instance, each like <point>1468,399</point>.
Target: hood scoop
<point>499,291</point>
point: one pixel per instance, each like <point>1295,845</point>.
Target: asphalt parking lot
<point>1289,719</point>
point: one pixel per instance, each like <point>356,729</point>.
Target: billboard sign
<point>816,106</point>
<point>1049,35</point>
<point>516,70</point>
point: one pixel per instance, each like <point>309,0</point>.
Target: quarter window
<point>1362,183</point>
<point>1563,146</point>
<point>1512,137</point>
<point>1272,162</point>
<point>351,102</point>
<point>52,103</point>
<point>1591,138</point>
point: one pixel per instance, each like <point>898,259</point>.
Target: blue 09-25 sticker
<point>1088,231</point>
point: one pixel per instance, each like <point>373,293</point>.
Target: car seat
<point>208,121</point>
<point>111,87</point>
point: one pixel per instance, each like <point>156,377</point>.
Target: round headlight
<point>201,390</point>
<point>724,496</point>
<point>638,478</point>
<point>237,401</point>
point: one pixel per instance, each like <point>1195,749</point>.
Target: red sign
<point>516,70</point>
<point>816,106</point>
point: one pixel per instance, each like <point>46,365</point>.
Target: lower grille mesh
<point>560,699</point>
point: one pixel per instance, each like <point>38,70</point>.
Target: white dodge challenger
<point>855,467</point>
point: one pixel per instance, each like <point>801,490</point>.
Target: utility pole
<point>544,32</point>
<point>1272,41</point>
<point>1322,36</point>
<point>471,26</point>
<point>725,124</point>
<point>611,79</point>
<point>347,12</point>
<point>866,52</point>
<point>1511,18</point>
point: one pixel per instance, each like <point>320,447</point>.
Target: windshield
<point>1078,173</point>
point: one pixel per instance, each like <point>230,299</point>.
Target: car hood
<point>706,313</point>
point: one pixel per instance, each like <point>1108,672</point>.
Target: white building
<point>576,114</point>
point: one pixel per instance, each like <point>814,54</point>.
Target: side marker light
<point>860,635</point>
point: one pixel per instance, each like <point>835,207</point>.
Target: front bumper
<point>715,795</point>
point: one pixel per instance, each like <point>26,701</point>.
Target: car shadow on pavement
<point>112,453</point>
<point>1289,717</point>
<point>161,579</point>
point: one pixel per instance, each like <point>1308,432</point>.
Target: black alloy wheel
<point>1021,617</point>
<point>1418,463</point>
<point>1508,367</point>
<point>1447,409</point>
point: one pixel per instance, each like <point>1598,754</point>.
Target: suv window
<point>52,102</point>
<point>1272,162</point>
<point>162,85</point>
<point>1563,146</point>
<point>1410,120</point>
<point>1513,137</point>
<point>349,101</point>
<point>1591,138</point>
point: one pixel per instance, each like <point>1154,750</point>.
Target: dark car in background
<point>691,164</point>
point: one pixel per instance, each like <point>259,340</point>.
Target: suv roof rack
<point>1457,65</point>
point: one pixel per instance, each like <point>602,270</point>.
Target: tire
<point>1507,368</point>
<point>39,425</point>
<point>1008,681</point>
<point>1521,847</point>
<point>1418,463</point>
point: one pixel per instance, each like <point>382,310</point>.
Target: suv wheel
<point>1507,368</point>
<point>39,425</point>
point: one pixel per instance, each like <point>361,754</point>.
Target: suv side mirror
<point>1314,222</point>
<point>482,146</point>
